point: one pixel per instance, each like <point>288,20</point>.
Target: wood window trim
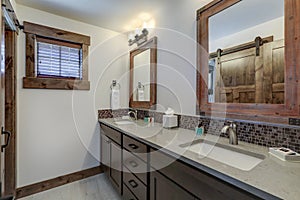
<point>36,32</point>
<point>58,42</point>
<point>260,112</point>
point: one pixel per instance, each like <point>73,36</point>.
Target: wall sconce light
<point>139,38</point>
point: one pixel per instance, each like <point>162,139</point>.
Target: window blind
<point>55,60</point>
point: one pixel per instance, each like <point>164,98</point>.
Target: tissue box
<point>170,121</point>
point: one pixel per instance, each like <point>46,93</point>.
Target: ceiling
<point>117,15</point>
<point>126,15</point>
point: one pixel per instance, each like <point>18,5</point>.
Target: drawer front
<point>136,147</point>
<point>135,185</point>
<point>198,183</point>
<point>127,195</point>
<point>111,133</point>
<point>135,165</point>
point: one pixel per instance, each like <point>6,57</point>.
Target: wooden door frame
<point>10,110</point>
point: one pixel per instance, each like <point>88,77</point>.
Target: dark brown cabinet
<point>137,187</point>
<point>105,153</point>
<point>161,188</point>
<point>198,183</point>
<point>127,194</point>
<point>111,159</point>
<point>135,168</point>
<point>127,163</point>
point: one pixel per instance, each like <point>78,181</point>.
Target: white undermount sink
<point>234,157</point>
<point>124,122</point>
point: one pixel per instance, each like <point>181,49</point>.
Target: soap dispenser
<point>200,129</point>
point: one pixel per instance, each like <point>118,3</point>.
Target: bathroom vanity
<point>160,163</point>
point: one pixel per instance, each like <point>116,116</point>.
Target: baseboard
<point>55,182</point>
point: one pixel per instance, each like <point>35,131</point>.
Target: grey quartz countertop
<point>276,177</point>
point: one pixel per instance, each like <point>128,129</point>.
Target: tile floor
<point>93,188</point>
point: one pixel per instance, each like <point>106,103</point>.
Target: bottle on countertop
<point>200,129</point>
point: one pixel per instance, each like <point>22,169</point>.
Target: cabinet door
<point>105,153</point>
<point>115,165</point>
<point>111,161</point>
<point>162,188</point>
<point>127,194</point>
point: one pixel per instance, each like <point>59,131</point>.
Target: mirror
<point>141,76</point>
<point>246,48</point>
<point>247,58</point>
<point>143,69</point>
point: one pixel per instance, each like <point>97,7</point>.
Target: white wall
<point>273,27</point>
<point>14,4</point>
<point>176,75</point>
<point>57,129</point>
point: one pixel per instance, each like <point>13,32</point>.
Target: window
<point>55,59</point>
<point>58,59</point>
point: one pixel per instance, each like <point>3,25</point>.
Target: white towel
<point>141,95</point>
<point>115,99</point>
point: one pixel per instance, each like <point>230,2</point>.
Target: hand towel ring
<point>114,84</point>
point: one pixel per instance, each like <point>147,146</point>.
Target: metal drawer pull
<point>133,183</point>
<point>7,139</point>
<point>133,146</point>
<point>133,163</point>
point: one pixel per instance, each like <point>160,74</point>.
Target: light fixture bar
<point>139,39</point>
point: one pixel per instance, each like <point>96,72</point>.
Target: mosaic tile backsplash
<point>264,134</point>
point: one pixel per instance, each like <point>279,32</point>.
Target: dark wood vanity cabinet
<point>190,183</point>
<point>141,172</point>
<point>111,156</point>
<point>135,169</point>
<point>162,188</point>
<point>125,161</point>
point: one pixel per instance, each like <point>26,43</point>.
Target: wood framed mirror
<point>260,105</point>
<point>143,73</point>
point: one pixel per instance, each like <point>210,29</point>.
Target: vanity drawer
<point>127,194</point>
<point>136,147</point>
<point>197,182</point>
<point>111,133</point>
<point>135,165</point>
<point>135,185</point>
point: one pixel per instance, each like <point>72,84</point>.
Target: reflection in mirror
<point>143,69</point>
<point>141,76</point>
<point>246,49</point>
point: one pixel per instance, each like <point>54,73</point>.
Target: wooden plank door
<point>273,61</point>
<point>235,75</point>
<point>2,107</point>
<point>245,77</point>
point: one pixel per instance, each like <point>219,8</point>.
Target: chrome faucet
<point>232,132</point>
<point>134,112</point>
